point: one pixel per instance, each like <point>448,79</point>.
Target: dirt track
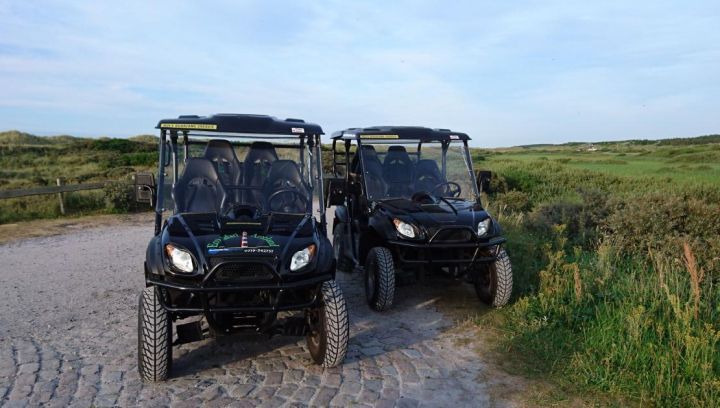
<point>68,322</point>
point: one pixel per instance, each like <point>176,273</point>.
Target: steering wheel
<point>452,189</point>
<point>285,202</point>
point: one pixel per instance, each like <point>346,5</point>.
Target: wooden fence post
<point>61,196</point>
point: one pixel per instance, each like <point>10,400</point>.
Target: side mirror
<point>483,180</point>
<point>144,188</point>
<point>334,192</point>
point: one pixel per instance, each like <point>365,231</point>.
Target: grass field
<point>680,162</point>
<point>616,256</point>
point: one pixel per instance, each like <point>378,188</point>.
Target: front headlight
<point>180,258</point>
<point>405,229</point>
<point>302,257</point>
<point>483,227</point>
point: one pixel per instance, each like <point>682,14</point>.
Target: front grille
<point>456,235</point>
<point>238,272</point>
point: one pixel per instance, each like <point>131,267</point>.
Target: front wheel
<point>154,337</point>
<point>329,333</point>
<point>379,279</point>
<point>494,281</point>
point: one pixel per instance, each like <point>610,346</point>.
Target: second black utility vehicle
<point>407,202</point>
<point>241,246</point>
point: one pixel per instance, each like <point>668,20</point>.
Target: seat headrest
<point>287,170</point>
<point>219,149</point>
<point>398,153</point>
<point>261,151</point>
<point>199,167</point>
<point>427,166</point>
<point>369,153</point>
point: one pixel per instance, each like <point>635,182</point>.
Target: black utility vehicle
<point>242,242</point>
<point>407,202</point>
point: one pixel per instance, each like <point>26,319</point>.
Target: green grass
<point>31,161</point>
<point>606,301</point>
<point>630,165</point>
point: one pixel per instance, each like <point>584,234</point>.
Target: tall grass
<point>617,290</point>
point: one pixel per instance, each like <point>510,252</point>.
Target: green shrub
<point>659,221</point>
<point>118,196</point>
<point>580,219</point>
<point>514,200</point>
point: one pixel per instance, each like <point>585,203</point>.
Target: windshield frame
<point>444,144</point>
<point>309,160</point>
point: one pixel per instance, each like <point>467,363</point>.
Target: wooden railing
<point>59,189</point>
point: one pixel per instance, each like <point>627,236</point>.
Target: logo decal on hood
<point>244,241</point>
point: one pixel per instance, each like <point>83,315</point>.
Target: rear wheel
<point>154,337</point>
<point>343,263</point>
<point>494,281</point>
<point>379,279</point>
<point>329,333</point>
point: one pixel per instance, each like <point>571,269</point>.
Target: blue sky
<point>507,73</point>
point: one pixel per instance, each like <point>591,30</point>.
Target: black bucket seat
<point>256,168</point>
<point>398,170</point>
<point>286,175</point>
<point>199,188</point>
<point>427,175</point>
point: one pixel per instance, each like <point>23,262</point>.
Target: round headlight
<point>180,258</point>
<point>302,257</point>
<point>483,227</point>
<point>405,229</point>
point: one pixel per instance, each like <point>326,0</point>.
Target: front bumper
<point>442,253</point>
<point>240,294</point>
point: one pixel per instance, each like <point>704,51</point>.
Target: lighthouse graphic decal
<point>242,242</point>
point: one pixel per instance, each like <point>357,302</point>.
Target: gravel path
<point>68,323</point>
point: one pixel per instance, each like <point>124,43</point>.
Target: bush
<point>118,196</point>
<point>514,200</point>
<point>580,220</point>
<point>659,221</point>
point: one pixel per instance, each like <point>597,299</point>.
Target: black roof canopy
<point>241,123</point>
<point>390,133</point>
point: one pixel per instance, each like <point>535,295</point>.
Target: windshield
<point>243,177</point>
<point>402,169</point>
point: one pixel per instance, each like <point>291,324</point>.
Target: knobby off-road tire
<point>494,282</point>
<point>329,333</point>
<point>343,263</point>
<point>154,337</point>
<point>379,279</point>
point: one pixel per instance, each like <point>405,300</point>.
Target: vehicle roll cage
<point>398,134</point>
<point>237,126</point>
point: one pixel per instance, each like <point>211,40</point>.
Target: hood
<point>438,214</point>
<point>264,236</point>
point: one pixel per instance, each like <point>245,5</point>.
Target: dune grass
<point>617,279</point>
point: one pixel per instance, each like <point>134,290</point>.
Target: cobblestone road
<point>68,324</point>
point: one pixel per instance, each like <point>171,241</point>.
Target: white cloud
<point>508,75</point>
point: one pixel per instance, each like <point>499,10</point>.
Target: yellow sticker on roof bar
<point>379,137</point>
<point>202,126</point>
